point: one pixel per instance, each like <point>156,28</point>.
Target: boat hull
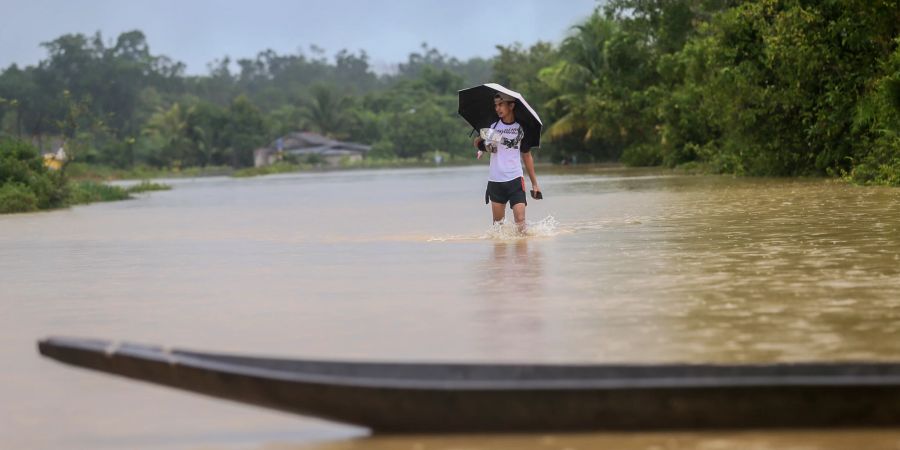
<point>445,398</point>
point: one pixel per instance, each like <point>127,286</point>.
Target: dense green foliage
<point>762,87</point>
<point>766,87</point>
<point>121,106</point>
<point>25,184</point>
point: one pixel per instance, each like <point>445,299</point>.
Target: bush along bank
<point>27,185</point>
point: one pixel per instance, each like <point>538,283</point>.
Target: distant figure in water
<point>506,183</point>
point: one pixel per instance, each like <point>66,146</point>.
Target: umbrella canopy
<point>476,106</point>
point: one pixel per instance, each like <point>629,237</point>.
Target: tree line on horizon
<point>118,104</point>
<point>763,87</point>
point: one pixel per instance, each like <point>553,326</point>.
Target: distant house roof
<point>306,143</point>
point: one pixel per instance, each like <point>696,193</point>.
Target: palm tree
<point>168,128</point>
<point>326,110</point>
<point>578,76</point>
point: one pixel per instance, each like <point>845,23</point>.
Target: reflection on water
<point>621,265</point>
<point>513,270</point>
<point>509,283</point>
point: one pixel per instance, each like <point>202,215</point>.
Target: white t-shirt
<point>506,163</point>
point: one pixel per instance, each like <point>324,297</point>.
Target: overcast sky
<point>197,32</point>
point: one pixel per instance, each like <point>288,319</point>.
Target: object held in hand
<point>491,137</point>
<point>536,195</point>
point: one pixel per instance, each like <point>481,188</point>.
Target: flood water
<point>403,265</point>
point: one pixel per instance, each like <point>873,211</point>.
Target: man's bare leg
<point>519,215</point>
<point>499,211</point>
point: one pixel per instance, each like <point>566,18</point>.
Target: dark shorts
<point>512,191</point>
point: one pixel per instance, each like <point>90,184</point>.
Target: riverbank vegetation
<point>767,87</point>
<point>763,87</point>
<point>27,185</point>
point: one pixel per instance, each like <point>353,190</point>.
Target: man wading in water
<point>506,184</point>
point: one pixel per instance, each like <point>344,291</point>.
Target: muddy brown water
<point>403,265</point>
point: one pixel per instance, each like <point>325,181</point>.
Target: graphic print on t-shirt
<point>514,141</point>
<point>506,163</point>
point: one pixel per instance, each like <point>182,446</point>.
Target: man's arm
<point>529,167</point>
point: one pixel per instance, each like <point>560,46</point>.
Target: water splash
<point>508,231</point>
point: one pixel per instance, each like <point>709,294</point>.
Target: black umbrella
<point>476,106</point>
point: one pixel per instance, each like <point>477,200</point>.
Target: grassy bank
<point>82,171</point>
<point>88,191</point>
<point>17,198</point>
<point>279,167</point>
